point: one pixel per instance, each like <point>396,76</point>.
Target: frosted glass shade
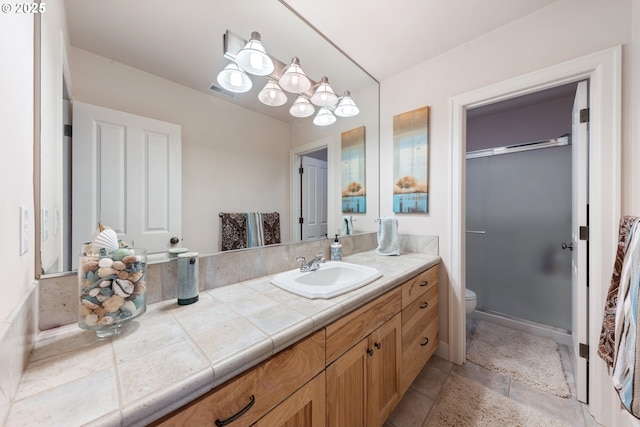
<point>293,79</point>
<point>346,107</point>
<point>324,117</point>
<point>324,96</point>
<point>253,59</point>
<point>233,79</point>
<point>272,95</point>
<point>302,107</point>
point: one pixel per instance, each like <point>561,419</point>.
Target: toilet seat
<point>469,295</point>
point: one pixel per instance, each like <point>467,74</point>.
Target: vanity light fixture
<point>302,107</point>
<point>272,95</point>
<point>233,79</point>
<point>324,96</point>
<point>293,79</point>
<point>324,117</point>
<point>346,107</point>
<point>253,59</point>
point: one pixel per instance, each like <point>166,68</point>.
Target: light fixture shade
<point>233,79</point>
<point>272,95</point>
<point>253,59</point>
<point>324,96</point>
<point>302,107</point>
<point>346,107</point>
<point>324,117</point>
<point>293,79</point>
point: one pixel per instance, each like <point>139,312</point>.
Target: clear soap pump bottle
<point>336,250</point>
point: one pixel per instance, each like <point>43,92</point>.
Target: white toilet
<point>470,300</point>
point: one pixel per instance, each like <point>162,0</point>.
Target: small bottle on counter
<point>188,278</point>
<point>336,250</point>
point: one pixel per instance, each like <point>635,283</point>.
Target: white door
<point>126,175</point>
<point>579,190</point>
<point>314,198</point>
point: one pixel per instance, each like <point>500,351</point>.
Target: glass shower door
<point>518,215</point>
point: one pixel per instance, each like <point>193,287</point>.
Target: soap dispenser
<point>336,250</point>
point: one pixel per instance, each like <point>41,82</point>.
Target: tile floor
<point>421,398</point>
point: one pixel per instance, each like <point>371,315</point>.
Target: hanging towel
<point>234,231</point>
<point>607,334</point>
<point>255,230</point>
<point>626,366</point>
<point>271,223</point>
<point>388,236</point>
<point>347,225</point>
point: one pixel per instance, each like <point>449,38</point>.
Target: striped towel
<point>255,230</point>
<point>626,367</point>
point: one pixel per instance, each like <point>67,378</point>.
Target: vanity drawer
<point>345,332</point>
<point>266,386</point>
<point>418,285</point>
<point>419,334</point>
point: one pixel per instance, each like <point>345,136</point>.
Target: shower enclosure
<point>518,214</point>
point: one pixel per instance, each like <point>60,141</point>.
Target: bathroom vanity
<point>245,354</point>
<point>352,372</point>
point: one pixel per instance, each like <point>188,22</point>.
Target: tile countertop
<point>173,354</point>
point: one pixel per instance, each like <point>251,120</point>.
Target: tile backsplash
<point>58,295</point>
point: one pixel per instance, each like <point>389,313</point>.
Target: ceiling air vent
<point>218,89</point>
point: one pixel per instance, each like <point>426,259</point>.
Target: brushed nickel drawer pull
<point>228,421</point>
<point>424,304</point>
<point>426,341</point>
<point>424,283</point>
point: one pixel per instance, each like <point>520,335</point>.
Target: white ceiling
<point>386,38</point>
<point>182,40</point>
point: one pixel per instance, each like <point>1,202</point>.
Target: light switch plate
<point>24,230</point>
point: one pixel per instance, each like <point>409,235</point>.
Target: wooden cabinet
<point>419,323</point>
<point>305,408</point>
<point>252,394</point>
<point>364,380</point>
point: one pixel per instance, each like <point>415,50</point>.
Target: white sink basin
<point>330,280</point>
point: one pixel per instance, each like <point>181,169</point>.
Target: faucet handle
<point>303,266</point>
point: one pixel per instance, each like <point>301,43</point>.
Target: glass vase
<point>112,289</point>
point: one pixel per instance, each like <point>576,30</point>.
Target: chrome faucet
<point>313,265</point>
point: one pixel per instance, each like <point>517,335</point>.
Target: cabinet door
<point>347,386</point>
<point>305,408</point>
<point>385,371</point>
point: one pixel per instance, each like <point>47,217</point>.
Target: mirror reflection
<point>157,64</point>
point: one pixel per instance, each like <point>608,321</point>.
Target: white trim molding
<point>603,70</point>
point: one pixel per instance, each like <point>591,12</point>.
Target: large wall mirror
<point>159,60</point>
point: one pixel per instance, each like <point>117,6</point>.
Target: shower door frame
<point>603,70</point>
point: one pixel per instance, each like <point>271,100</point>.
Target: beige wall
<point>16,161</point>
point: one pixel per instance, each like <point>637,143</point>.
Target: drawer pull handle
<point>228,421</point>
<point>424,304</point>
<point>378,345</point>
<point>424,283</point>
<point>426,341</point>
<point>370,352</point>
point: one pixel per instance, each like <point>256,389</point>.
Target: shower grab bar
<point>476,232</point>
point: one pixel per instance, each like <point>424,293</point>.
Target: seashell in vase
<point>107,239</point>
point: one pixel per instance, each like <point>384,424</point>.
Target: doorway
<point>314,177</point>
<point>603,70</point>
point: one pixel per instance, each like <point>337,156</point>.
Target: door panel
<point>314,198</point>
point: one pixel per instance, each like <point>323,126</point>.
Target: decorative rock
<point>92,276</point>
<point>124,288</point>
<point>91,319</point>
<point>129,307</point>
<point>106,291</point>
<point>113,303</point>
<point>124,275</point>
<point>94,292</point>
<point>105,262</point>
<point>90,266</point>
<point>130,259</point>
<point>105,284</point>
<point>134,277</point>
<point>90,304</point>
<point>106,271</point>
<point>119,265</point>
<point>121,253</point>
<point>107,320</point>
<point>102,298</point>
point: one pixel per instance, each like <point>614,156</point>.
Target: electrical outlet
<point>24,230</point>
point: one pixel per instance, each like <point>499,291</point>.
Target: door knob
<point>174,240</point>
<point>569,246</point>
